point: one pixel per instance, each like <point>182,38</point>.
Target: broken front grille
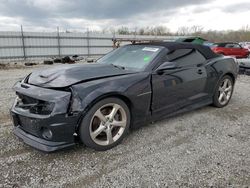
<point>30,125</point>
<point>33,105</point>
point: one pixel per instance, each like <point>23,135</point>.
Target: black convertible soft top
<point>172,46</point>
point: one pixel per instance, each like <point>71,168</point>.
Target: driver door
<point>181,86</point>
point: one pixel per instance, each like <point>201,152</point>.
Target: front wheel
<point>105,124</point>
<point>223,92</point>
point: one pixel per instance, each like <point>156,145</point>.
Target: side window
<point>228,46</point>
<point>231,45</point>
<point>236,46</point>
<point>223,45</point>
<point>186,57</point>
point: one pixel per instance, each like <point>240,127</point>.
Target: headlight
<point>42,108</point>
<point>34,106</point>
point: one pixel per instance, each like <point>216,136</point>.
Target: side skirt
<point>188,108</point>
<point>185,109</point>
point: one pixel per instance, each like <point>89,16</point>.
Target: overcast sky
<point>46,15</point>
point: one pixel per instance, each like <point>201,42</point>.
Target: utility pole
<point>135,32</point>
<point>23,44</point>
<point>58,42</point>
<point>88,47</point>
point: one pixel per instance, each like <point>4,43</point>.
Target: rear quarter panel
<point>219,67</point>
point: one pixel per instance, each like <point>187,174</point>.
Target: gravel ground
<point>208,147</point>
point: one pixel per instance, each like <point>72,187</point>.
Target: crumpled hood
<point>66,75</point>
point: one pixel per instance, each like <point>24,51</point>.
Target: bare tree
<point>242,34</point>
<point>245,28</point>
<point>196,29</point>
<point>141,31</point>
<point>123,31</point>
<point>183,31</point>
<point>112,30</point>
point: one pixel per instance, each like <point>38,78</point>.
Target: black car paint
<point>149,95</point>
<point>64,121</point>
<point>65,76</point>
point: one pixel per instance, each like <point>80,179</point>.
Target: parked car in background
<point>245,45</point>
<point>231,49</point>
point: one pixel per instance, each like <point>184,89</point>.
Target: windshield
<point>135,57</point>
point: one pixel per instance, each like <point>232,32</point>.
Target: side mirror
<point>166,66</point>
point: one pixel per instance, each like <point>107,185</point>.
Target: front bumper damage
<point>41,117</point>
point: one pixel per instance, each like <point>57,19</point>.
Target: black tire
<point>216,101</point>
<point>247,72</point>
<point>86,124</point>
<point>57,60</point>
<point>242,70</point>
<point>30,64</point>
<point>48,62</point>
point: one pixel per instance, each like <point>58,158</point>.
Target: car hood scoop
<point>67,75</point>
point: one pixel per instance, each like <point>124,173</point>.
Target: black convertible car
<point>98,103</point>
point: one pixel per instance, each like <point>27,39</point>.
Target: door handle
<point>199,71</point>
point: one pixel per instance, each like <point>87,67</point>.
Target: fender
<point>135,90</point>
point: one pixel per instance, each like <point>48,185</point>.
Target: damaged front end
<point>42,117</point>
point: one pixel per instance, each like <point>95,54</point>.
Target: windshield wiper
<point>118,66</point>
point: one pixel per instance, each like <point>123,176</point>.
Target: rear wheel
<point>106,124</point>
<point>223,92</point>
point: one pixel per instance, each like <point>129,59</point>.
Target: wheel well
<point>221,53</point>
<point>115,95</point>
<point>231,75</point>
<point>123,98</point>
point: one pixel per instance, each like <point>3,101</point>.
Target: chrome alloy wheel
<point>225,91</point>
<point>108,124</point>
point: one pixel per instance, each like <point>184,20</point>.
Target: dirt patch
<point>10,66</point>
